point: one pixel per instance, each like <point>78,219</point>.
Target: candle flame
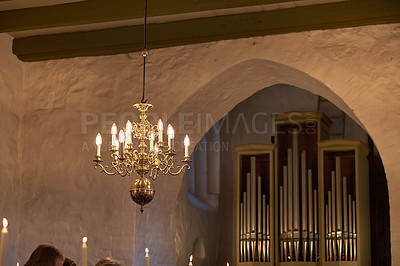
<point>84,239</point>
<point>227,264</point>
<point>5,222</point>
<point>17,263</point>
<point>191,258</point>
<point>147,250</point>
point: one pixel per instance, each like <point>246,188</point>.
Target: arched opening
<point>239,90</point>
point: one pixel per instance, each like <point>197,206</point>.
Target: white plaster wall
<point>10,113</point>
<point>64,198</point>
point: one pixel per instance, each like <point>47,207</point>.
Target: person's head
<point>108,262</point>
<point>45,255</point>
<point>69,262</point>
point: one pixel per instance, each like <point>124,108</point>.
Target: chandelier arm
<point>103,169</point>
<point>181,169</point>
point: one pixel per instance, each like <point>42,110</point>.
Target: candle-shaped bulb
<point>170,132</point>
<point>84,240</point>
<point>191,258</point>
<point>186,141</point>
<point>121,136</point>
<point>160,125</point>
<point>227,264</point>
<point>146,250</point>
<point>114,129</point>
<point>98,139</point>
<point>128,127</point>
<point>151,138</point>
<point>5,223</point>
<point>17,263</point>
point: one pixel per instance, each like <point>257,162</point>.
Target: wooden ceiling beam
<point>98,11</point>
<point>129,39</point>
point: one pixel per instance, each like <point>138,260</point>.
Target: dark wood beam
<point>96,11</point>
<point>129,39</point>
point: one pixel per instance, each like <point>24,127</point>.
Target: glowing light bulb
<point>98,143</point>
<point>171,135</point>
<point>5,223</point>
<point>160,125</point>
<point>151,138</point>
<point>98,139</point>
<point>146,250</point>
<point>186,142</point>
<point>84,240</point>
<point>128,126</point>
<point>160,131</point>
<point>114,129</point>
<point>121,136</point>
<point>170,132</point>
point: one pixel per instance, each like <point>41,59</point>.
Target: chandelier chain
<point>144,52</point>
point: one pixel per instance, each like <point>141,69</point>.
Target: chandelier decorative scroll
<point>148,156</point>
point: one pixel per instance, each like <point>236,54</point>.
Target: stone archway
<point>222,93</point>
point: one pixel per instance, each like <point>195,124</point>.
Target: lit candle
<point>160,131</point>
<point>3,244</point>
<point>117,147</point>
<point>121,139</point>
<point>98,143</point>
<point>171,135</point>
<point>128,134</point>
<point>187,144</point>
<point>84,251</point>
<point>113,135</point>
<point>151,138</point>
<point>190,261</point>
<point>146,258</point>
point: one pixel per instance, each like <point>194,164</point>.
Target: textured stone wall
<point>11,76</point>
<point>66,102</point>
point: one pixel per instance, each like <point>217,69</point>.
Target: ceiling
<point>52,29</point>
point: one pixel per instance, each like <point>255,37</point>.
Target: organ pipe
<point>297,208</point>
<point>254,220</point>
<point>341,237</point>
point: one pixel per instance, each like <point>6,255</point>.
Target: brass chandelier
<point>151,156</point>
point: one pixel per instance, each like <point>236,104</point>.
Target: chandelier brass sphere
<point>142,191</point>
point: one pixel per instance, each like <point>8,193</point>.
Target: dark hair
<point>107,261</point>
<point>69,262</point>
<point>45,255</point>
